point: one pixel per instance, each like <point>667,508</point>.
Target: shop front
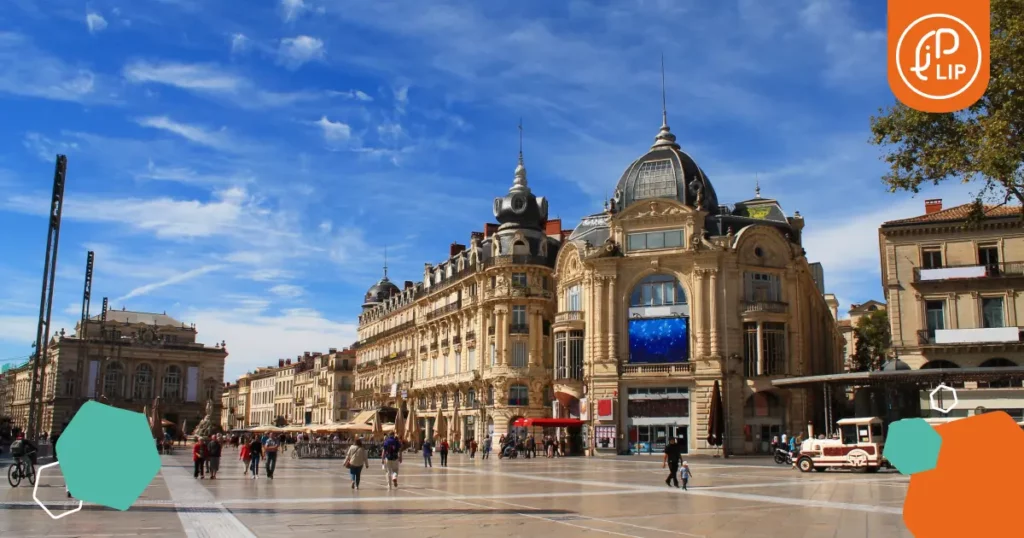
<point>655,415</point>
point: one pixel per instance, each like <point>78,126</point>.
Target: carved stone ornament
<point>608,249</point>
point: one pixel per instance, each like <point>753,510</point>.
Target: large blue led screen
<point>657,340</point>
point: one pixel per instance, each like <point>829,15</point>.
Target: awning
<point>548,422</point>
<point>920,377</point>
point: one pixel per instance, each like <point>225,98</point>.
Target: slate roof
<point>127,316</point>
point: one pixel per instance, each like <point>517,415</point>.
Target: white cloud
<point>214,81</point>
<point>287,291</point>
<point>292,9</point>
<point>334,131</point>
<point>239,43</point>
<point>95,22</point>
<point>176,279</point>
<point>351,94</point>
<point>194,133</point>
<point>21,330</point>
<point>296,51</point>
<point>30,72</point>
<point>326,226</point>
<point>257,338</point>
<point>390,131</point>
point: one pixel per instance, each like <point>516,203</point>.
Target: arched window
<point>945,365</point>
<point>143,389</point>
<point>471,398</point>
<point>520,248</point>
<point>657,290</point>
<point>998,383</point>
<point>172,383</point>
<point>490,395</point>
<point>113,380</point>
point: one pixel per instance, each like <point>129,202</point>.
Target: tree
<point>984,143</point>
<point>873,341</point>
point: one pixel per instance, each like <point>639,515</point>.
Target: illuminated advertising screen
<point>659,340</point>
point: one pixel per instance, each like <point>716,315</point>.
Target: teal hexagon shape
<point>912,446</point>
<point>108,455</point>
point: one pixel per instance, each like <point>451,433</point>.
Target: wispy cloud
<point>95,22</point>
<point>296,51</point>
<point>239,43</point>
<point>214,81</point>
<point>351,94</point>
<point>334,132</point>
<point>194,133</point>
<point>287,291</point>
<point>31,72</point>
<point>292,9</point>
<point>176,279</point>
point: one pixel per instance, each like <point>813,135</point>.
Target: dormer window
<point>655,179</point>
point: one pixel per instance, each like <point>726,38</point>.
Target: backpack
<point>391,450</point>
<point>18,448</point>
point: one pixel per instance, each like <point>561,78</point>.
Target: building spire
<point>665,138</point>
<point>520,180</point>
<point>385,262</point>
<point>757,186</point>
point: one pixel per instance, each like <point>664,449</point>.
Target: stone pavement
<point>568,497</point>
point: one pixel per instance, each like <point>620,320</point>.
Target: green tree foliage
<point>873,342</point>
<point>983,144</point>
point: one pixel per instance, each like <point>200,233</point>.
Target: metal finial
<point>385,261</point>
<point>757,186</point>
<point>664,104</point>
<point>520,140</point>
<point>520,177</point>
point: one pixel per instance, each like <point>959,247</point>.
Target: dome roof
<point>666,171</point>
<point>380,292</point>
<point>520,208</point>
<point>893,365</point>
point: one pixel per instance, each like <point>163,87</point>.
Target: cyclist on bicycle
<point>22,448</point>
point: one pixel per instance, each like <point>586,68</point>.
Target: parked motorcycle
<point>783,457</point>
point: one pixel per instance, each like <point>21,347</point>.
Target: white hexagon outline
<point>35,490</point>
<point>931,398</point>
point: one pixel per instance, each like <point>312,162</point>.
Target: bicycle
<point>21,468</point>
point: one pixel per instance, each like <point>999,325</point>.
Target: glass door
<point>661,437</point>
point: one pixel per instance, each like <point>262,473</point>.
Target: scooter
<point>783,457</point>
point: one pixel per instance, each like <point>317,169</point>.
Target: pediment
<point>655,209</point>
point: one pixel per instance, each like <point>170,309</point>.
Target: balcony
<point>433,347</point>
<point>395,356</point>
<point>299,400</point>
<point>457,339</point>
<point>574,373</point>
<point>516,259</point>
<point>444,343</point>
<point>363,393</point>
<point>659,370</point>
<point>947,337</point>
<point>966,272</point>
<point>770,307</point>
<point>443,310</point>
<point>322,382</point>
<point>569,315</point>
<point>490,331</point>
<point>384,334</point>
<point>423,349</point>
<point>470,336</point>
<point>519,329</point>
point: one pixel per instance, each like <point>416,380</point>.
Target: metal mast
<point>35,409</point>
<point>83,324</point>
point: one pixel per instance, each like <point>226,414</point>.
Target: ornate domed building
<point>468,349</point>
<point>666,293</point>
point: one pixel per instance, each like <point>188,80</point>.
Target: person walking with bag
<point>243,454</point>
<point>199,459</point>
<point>428,452</point>
<point>443,450</point>
<point>355,460</point>
<point>391,459</point>
<point>213,450</point>
<point>255,452</point>
<point>270,448</point>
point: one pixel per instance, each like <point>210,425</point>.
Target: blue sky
<point>243,168</point>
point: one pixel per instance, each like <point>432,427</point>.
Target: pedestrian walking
<point>428,452</point>
<point>213,450</point>
<point>531,447</point>
<point>243,454</point>
<point>199,459</point>
<point>685,474</point>
<point>444,453</point>
<point>487,448</point>
<point>472,449</point>
<point>355,460</point>
<point>270,449</point>
<point>673,453</point>
<point>391,459</point>
<point>255,453</point>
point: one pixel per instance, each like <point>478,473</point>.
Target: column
<point>760,349</point>
<point>697,311</point>
<point>483,342</point>
<point>599,305</point>
<point>535,328</point>
<point>500,330</point>
<point>613,303</point>
<point>713,305</point>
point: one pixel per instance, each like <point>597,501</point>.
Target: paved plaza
<point>623,496</point>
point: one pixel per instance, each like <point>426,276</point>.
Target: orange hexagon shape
<point>975,488</point>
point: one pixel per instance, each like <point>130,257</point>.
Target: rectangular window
<point>992,312</point>
<point>935,315</point>
<point>575,362</point>
<point>654,240</point>
<point>988,255</point>
<point>750,349</point>
<point>519,280</point>
<point>519,315</point>
<point>494,355</point>
<point>518,395</point>
<point>458,362</point>
<point>519,354</point>
<point>434,367</point>
<point>764,287</point>
<point>446,361</point>
<point>575,299</point>
<point>773,346</point>
<point>561,350</point>
<point>931,259</point>
<point>472,359</point>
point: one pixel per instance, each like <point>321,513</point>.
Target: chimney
<point>332,350</point>
<point>479,236</point>
<point>409,284</point>
<point>305,354</point>
<point>280,363</point>
<point>288,362</point>
<point>455,249</point>
<point>490,229</point>
<point>932,206</point>
<point>553,227</point>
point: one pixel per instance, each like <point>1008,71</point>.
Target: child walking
<point>685,474</point>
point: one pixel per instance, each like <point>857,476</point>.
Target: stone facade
<point>126,360</point>
<point>728,293</point>
<point>954,298</point>
<point>475,333</point>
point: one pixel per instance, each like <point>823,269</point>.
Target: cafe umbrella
<point>716,419</point>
